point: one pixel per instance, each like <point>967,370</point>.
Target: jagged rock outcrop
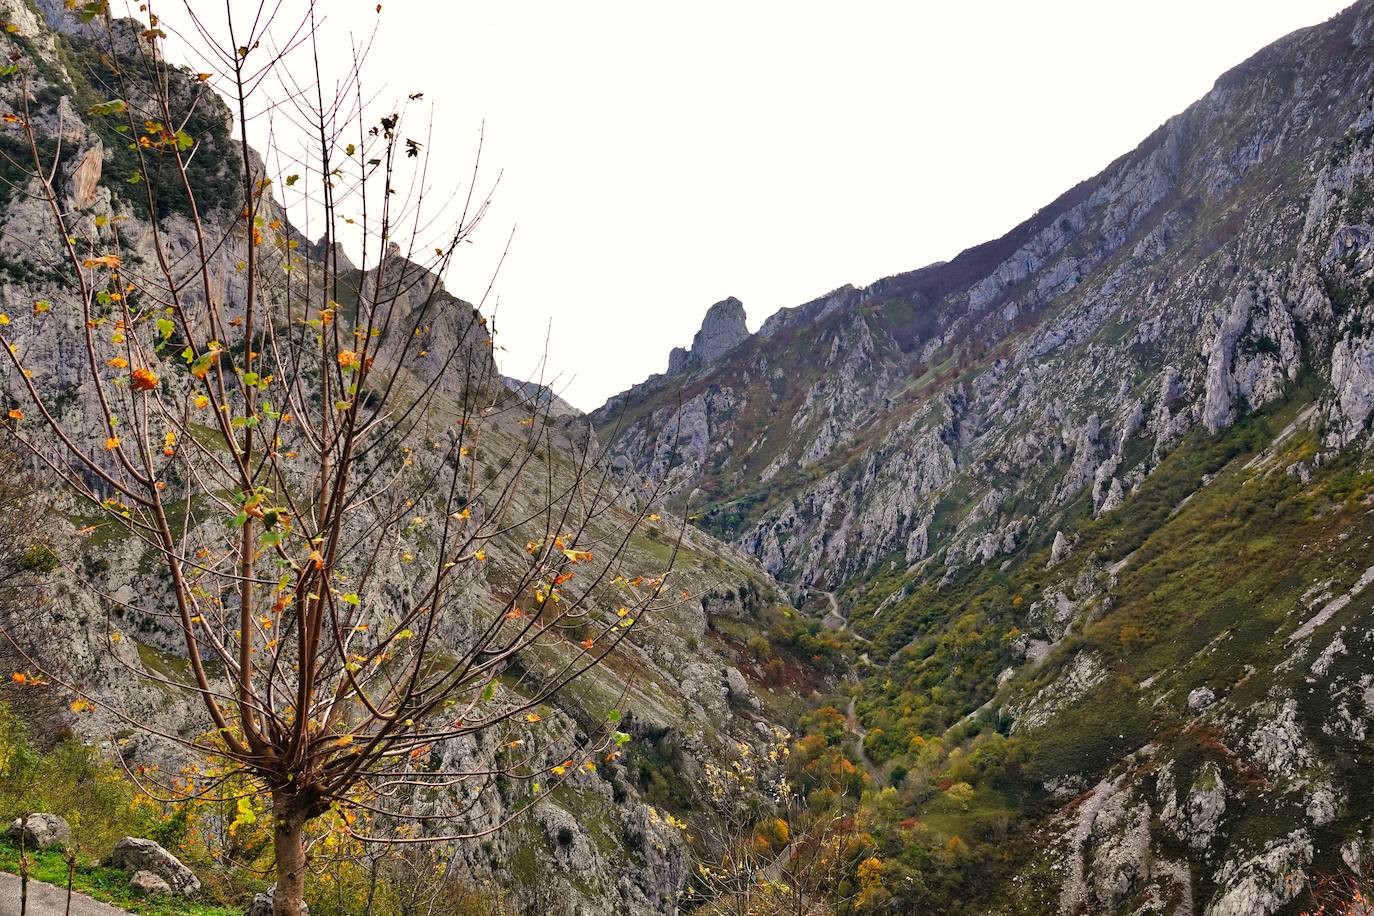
<point>721,331</point>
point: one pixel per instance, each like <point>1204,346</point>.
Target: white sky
<point>659,157</point>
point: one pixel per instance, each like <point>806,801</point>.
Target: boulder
<point>43,831</point>
<point>134,855</point>
<point>149,884</point>
<point>262,904</point>
<point>1200,698</point>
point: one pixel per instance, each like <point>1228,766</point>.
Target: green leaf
<point>112,107</point>
<point>613,716</point>
<point>292,179</point>
<point>184,141</point>
<point>91,10</point>
<point>165,327</point>
<point>350,150</point>
<point>490,691</point>
<point>621,738</point>
<point>351,598</point>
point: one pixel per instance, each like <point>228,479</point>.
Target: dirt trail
<point>855,727</point>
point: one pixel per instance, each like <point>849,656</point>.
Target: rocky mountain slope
<point>1096,494</point>
<point>688,693</point>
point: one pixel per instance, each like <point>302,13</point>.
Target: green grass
<point>110,885</point>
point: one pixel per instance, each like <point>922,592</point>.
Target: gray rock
<point>1060,549</point>
<point>149,884</point>
<point>43,831</point>
<point>738,688</point>
<point>262,904</point>
<point>1200,698</point>
<point>134,854</point>
<point>722,330</point>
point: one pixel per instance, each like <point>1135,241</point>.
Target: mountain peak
<point>722,330</point>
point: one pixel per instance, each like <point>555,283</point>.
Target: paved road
<point>46,900</point>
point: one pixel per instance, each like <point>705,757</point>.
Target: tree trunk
<point>288,842</point>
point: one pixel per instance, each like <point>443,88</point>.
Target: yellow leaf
<point>344,741</point>
<point>532,717</point>
<point>112,443</point>
<point>107,260</point>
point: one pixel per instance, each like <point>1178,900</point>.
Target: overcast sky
<point>658,157</point>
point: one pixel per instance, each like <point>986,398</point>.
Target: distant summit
<point>541,397</point>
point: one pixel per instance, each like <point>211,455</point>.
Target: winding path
<point>855,727</point>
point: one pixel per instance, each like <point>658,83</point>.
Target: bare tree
<point>318,455</point>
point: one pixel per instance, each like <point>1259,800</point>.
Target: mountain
<point>1095,498</point>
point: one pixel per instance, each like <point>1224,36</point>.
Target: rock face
<point>138,856</point>
<point>722,330</point>
<point>41,831</point>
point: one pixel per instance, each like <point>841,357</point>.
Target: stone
<point>134,854</point>
<point>262,904</point>
<point>1060,548</point>
<point>738,688</point>
<point>43,831</point>
<point>722,330</point>
<point>149,884</point>
<point>1200,698</point>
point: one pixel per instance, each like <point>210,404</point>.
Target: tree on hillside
<point>318,456</point>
